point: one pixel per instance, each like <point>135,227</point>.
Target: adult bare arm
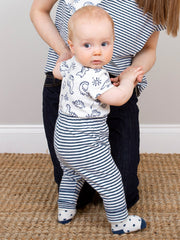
<point>41,19</point>
<point>145,58</point>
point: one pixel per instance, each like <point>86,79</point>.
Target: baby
<point>81,132</point>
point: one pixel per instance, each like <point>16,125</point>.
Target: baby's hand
<point>65,55</point>
<point>133,74</point>
<point>56,71</point>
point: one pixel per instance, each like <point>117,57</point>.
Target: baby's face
<point>92,42</point>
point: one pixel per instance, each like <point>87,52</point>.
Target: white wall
<point>159,103</point>
<point>22,60</point>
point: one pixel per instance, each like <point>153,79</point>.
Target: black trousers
<point>123,136</point>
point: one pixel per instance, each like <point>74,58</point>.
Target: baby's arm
<point>56,71</point>
<point>118,96</point>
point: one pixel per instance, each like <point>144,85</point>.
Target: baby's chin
<point>95,66</point>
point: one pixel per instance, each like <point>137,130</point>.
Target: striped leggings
<point>83,150</point>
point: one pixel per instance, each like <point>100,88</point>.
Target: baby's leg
<point>104,176</point>
<point>131,224</point>
<point>69,189</point>
<point>65,215</point>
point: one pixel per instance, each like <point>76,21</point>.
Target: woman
<point>137,26</point>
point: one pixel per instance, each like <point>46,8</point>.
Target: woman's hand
<point>65,55</point>
<point>116,81</point>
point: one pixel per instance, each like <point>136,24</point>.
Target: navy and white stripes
<point>83,149</point>
<point>132,29</point>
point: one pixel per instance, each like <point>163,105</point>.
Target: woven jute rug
<point>28,201</point>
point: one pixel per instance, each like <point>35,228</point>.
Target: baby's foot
<point>131,224</point>
<point>65,215</point>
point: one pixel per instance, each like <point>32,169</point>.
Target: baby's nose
<point>97,50</point>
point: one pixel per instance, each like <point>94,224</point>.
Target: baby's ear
<point>71,46</point>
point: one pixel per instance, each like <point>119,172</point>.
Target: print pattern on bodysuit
<point>74,5</point>
<point>83,88</point>
<point>79,89</point>
<point>106,84</point>
<point>70,83</point>
<point>82,72</point>
<point>96,81</point>
<point>79,104</point>
<point>94,113</point>
<point>70,112</point>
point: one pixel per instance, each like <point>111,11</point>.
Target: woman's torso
<point>132,30</point>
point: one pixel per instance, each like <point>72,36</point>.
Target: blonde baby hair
<point>88,12</point>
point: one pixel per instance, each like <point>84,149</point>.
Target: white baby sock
<point>131,224</point>
<point>65,215</point>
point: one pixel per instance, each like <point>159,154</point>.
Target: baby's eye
<point>87,45</point>
<point>104,44</point>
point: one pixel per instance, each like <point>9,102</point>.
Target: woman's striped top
<point>132,30</point>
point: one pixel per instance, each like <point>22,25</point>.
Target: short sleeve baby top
<point>80,88</point>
